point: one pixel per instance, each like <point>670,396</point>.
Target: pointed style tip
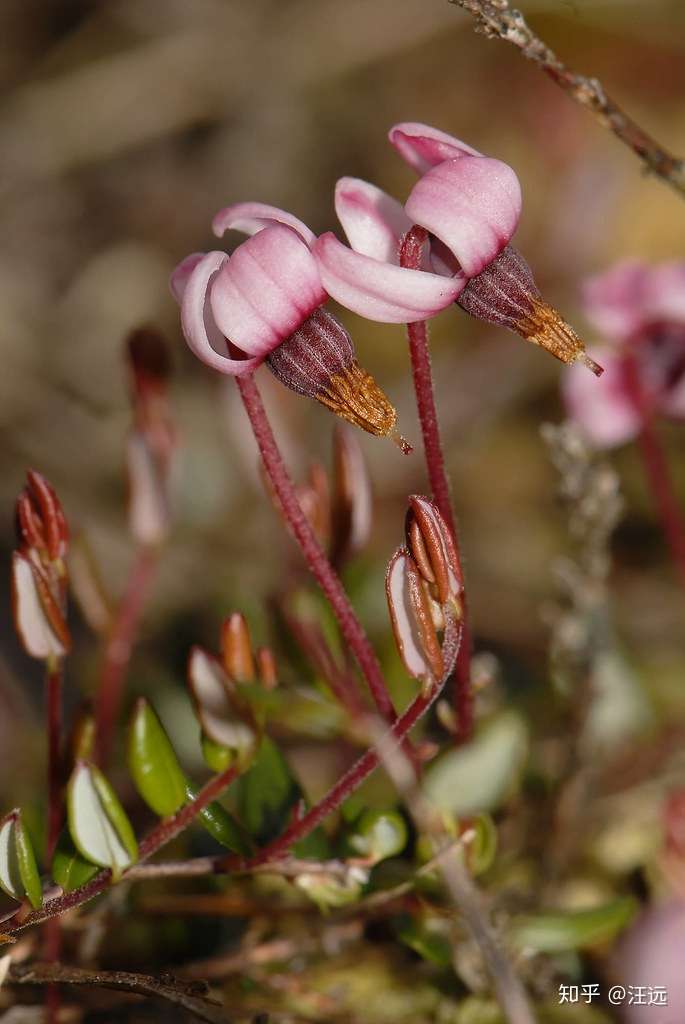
<point>592,365</point>
<point>401,442</point>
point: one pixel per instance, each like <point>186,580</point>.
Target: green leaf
<point>98,823</point>
<point>427,938</point>
<point>557,932</point>
<point>153,764</point>
<point>217,758</point>
<point>28,868</point>
<point>18,871</point>
<point>266,793</point>
<point>69,868</point>
<point>377,835</point>
<point>221,826</point>
<point>482,774</point>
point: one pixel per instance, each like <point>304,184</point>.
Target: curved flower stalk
<point>470,205</point>
<point>267,304</point>
<point>640,311</point>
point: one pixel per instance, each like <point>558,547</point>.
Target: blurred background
<point>125,125</point>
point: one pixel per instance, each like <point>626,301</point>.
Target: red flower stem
<point>159,836</point>
<point>119,647</point>
<point>53,933</point>
<point>661,483</point>
<point>312,551</point>
<point>53,687</point>
<point>656,469</point>
<point>411,250</point>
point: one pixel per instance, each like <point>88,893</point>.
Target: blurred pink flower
<point>640,311</point>
<point>649,960</point>
<point>470,205</point>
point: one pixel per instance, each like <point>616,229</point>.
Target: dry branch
<point>498,19</point>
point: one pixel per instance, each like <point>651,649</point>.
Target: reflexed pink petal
<point>266,290</point>
<point>614,302</point>
<point>380,291</point>
<point>472,204</point>
<point>199,327</point>
<point>601,406</point>
<point>665,298</point>
<point>374,222</point>
<point>179,276</point>
<point>253,217</point>
<point>424,147</point>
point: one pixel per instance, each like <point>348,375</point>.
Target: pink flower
<point>470,205</point>
<point>648,961</point>
<point>266,304</point>
<point>640,310</point>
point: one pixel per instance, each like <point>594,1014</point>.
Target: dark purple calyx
<point>504,293</point>
<point>318,360</point>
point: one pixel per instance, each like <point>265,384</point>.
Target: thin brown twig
<point>182,994</point>
<point>498,19</point>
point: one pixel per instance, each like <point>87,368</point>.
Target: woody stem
<point>411,249</point>
<point>350,626</point>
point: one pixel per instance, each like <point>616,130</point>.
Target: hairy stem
<point>159,836</point>
<point>498,19</point>
<point>410,256</point>
<point>119,646</point>
<point>323,572</point>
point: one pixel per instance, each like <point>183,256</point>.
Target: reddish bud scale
<point>236,649</point>
<point>49,511</point>
<point>432,546</point>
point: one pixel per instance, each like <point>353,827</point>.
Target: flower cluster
<point>268,301</point>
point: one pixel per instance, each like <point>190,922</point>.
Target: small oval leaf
<point>98,823</point>
<point>28,869</point>
<point>216,757</point>
<point>216,820</point>
<point>378,834</point>
<point>213,694</point>
<point>153,764</point>
<point>556,932</point>
<point>10,874</point>
<point>69,869</point>
<point>18,870</point>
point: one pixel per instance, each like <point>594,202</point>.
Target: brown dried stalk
<point>498,19</point>
<point>182,994</point>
